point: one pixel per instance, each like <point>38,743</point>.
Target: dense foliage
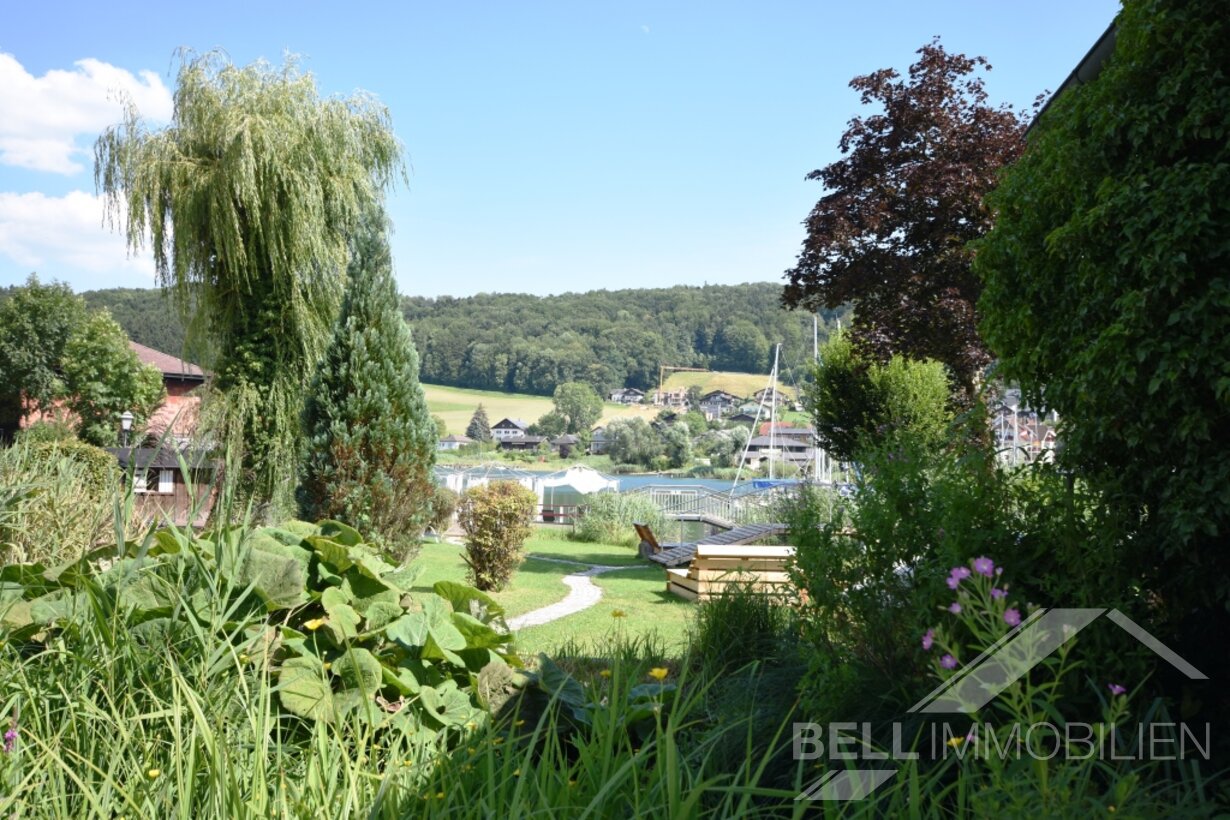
<point>36,321</point>
<point>890,237</point>
<point>1107,295</point>
<point>532,344</point>
<point>608,339</point>
<point>54,354</point>
<point>496,518</point>
<point>855,401</point>
<point>249,198</point>
<point>370,442</point>
<point>103,378</point>
<point>57,499</point>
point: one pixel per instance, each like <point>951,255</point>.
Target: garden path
<point>582,594</point>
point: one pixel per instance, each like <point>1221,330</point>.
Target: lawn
<point>455,405</point>
<point>638,593</point>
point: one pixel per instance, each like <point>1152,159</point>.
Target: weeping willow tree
<point>248,199</point>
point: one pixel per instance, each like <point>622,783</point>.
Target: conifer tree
<point>370,441</point>
<point>479,428</point>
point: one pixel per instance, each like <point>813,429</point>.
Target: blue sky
<point>552,146</point>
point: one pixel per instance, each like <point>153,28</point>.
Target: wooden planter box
<point>716,568</point>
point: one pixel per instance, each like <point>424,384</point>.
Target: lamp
<point>125,427</point>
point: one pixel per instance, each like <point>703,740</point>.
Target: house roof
<point>159,458</point>
<point>775,441</point>
<point>518,423</point>
<point>457,438</point>
<point>567,438</point>
<point>168,365</point>
<point>786,430</point>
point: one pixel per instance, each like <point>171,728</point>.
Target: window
<point>162,483</point>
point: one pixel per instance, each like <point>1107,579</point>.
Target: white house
<point>508,429</point>
<point>453,442</point>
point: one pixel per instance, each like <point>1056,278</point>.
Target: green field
<point>456,405</point>
<point>739,384</point>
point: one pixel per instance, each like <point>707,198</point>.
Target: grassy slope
<point>455,405</point>
<point>639,592</point>
<point>740,384</point>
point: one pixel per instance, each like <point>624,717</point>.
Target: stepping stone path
<point>582,594</point>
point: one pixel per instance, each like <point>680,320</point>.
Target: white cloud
<point>64,238</point>
<point>49,123</point>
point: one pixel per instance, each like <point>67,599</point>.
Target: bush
<point>59,499</point>
<point>44,431</point>
<point>608,518</point>
<point>496,518</point>
<point>443,505</point>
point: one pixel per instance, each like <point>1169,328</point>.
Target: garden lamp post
<point>125,427</point>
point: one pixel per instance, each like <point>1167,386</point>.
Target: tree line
<point>521,343</point>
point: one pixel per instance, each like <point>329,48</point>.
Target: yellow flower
<point>618,613</point>
<point>153,773</point>
<point>955,741</point>
<point>497,741</point>
<point>659,673</point>
<point>328,666</point>
<point>316,623</point>
<point>516,772</point>
<point>439,795</point>
<point>606,673</point>
<point>520,722</point>
<point>244,658</point>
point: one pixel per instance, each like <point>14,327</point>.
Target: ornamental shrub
<point>496,518</point>
<point>443,506</point>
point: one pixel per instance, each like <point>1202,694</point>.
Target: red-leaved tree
<point>891,235</point>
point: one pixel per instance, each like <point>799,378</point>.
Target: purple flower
<point>954,608</point>
<point>1115,689</point>
<point>956,575</point>
<point>948,662</point>
<point>1012,617</point>
<point>928,639</point>
<point>984,566</point>
<point>10,740</point>
<point>998,593</point>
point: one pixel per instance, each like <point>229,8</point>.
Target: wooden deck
<point>716,567</point>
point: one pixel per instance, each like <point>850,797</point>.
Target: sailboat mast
<point>777,352</point>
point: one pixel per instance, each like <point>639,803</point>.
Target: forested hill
<point>529,344</point>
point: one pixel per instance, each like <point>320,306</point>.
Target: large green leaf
<point>304,690</point>
<point>402,579</point>
<point>477,634</point>
<point>447,704</point>
<point>343,619</point>
<point>469,600</point>
<point>330,552</point>
<point>380,614</point>
<point>341,533</point>
<point>410,630</point>
<point>359,669</point>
